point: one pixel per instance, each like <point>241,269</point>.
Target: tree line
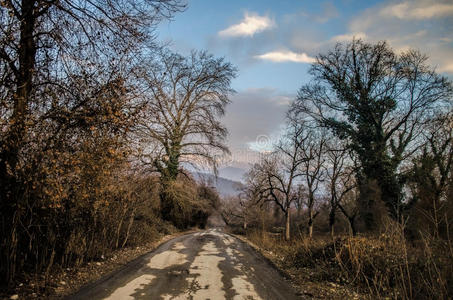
<point>96,119</point>
<point>368,140</point>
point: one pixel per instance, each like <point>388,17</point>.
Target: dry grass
<point>309,263</point>
<point>383,266</point>
<point>387,266</point>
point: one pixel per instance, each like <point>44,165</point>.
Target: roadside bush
<point>187,204</point>
<point>387,266</point>
<point>382,266</point>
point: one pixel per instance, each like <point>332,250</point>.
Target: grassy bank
<point>382,266</point>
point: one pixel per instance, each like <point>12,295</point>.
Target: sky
<point>273,43</point>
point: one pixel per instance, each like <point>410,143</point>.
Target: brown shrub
<point>381,266</point>
<point>387,266</point>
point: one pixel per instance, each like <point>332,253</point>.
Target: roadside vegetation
<point>356,200</point>
<point>96,120</point>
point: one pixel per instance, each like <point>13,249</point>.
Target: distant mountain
<point>232,173</point>
<point>225,187</point>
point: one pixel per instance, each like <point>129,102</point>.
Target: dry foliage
<point>383,266</point>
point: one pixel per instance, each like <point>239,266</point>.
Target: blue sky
<point>272,43</point>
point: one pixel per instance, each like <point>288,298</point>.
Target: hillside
<point>225,187</point>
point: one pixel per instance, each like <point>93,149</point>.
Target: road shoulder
<point>304,288</point>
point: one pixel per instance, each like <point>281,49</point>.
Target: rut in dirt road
<point>203,265</point>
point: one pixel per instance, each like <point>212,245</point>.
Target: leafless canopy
<point>360,83</point>
<point>185,97</point>
<point>276,176</point>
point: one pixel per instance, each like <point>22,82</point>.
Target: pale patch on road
<point>214,232</point>
<point>209,279</point>
<point>179,297</point>
<point>228,240</point>
<point>168,258</point>
<point>208,284</point>
<point>229,251</point>
<point>131,288</point>
<point>239,267</point>
<point>178,246</point>
<point>244,289</point>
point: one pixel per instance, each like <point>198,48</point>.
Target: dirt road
<point>203,265</point>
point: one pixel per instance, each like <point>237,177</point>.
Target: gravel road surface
<point>202,265</point>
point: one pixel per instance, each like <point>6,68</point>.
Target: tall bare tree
<point>186,96</point>
<point>184,100</point>
<point>312,153</point>
<point>339,177</point>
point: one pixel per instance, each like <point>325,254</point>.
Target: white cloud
<point>349,36</point>
<point>285,56</point>
<point>251,24</point>
<point>393,11</point>
<point>417,10</point>
<point>417,24</point>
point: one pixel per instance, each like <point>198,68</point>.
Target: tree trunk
<point>351,220</point>
<point>118,230</point>
<point>166,202</point>
<point>332,222</point>
<point>287,227</point>
<point>27,53</point>
<point>50,264</point>
<point>12,254</point>
<point>310,221</point>
<point>129,226</point>
<point>14,140</point>
<point>352,226</point>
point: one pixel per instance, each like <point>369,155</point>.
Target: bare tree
<point>339,176</point>
<point>375,99</point>
<point>299,200</point>
<point>276,175</point>
<point>184,98</point>
<point>349,208</point>
<point>312,153</point>
<point>241,208</point>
